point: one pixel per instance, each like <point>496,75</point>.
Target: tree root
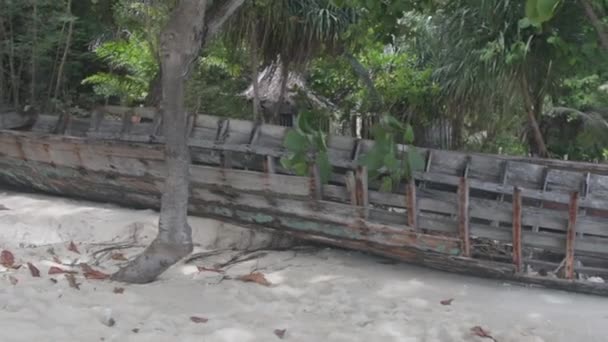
<point>154,260</point>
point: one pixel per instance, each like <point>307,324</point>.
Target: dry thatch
<point>270,80</point>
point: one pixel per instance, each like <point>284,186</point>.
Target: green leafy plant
<point>306,146</point>
<point>134,67</point>
<point>540,11</point>
<point>388,162</point>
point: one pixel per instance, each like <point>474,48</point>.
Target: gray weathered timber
<point>236,177</point>
<point>13,120</point>
<point>107,157</point>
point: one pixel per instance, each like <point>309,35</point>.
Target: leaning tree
<point>192,23</point>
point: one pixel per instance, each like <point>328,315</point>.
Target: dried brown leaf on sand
<point>479,331</point>
<point>90,273</point>
<point>447,301</point>
<point>72,247</point>
<point>255,277</point>
<point>72,281</point>
<point>7,259</point>
<point>280,333</point>
<point>33,270</point>
<point>197,319</point>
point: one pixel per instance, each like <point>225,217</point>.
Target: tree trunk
<point>181,41</point>
<point>254,72</point>
<point>33,58</point>
<point>2,86</point>
<point>155,91</point>
<point>66,50</point>
<point>53,72</point>
<point>11,64</point>
<point>597,23</point>
<point>533,109</point>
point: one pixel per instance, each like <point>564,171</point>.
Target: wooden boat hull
<point>439,235</point>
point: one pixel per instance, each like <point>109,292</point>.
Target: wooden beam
<point>222,131</point>
<point>349,180</point>
<point>427,166</point>
<point>226,159</point>
<point>356,152</point>
<point>586,190</point>
<point>143,112</point>
<point>503,180</point>
<point>96,118</point>
<point>126,122</point>
<point>269,165</point>
<point>190,124</point>
<point>157,124</point>
<point>517,241</point>
<point>255,134</point>
<point>13,119</point>
<point>546,172</point>
<point>571,236</point>
<point>467,167</point>
<point>429,160</point>
<point>463,216</point>
<point>62,123</point>
<point>316,189</point>
<point>412,208</point>
<point>361,190</point>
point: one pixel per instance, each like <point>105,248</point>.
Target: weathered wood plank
<point>249,181</point>
<point>315,185</point>
<point>463,216</point>
<point>142,112</point>
<point>571,236</point>
<point>517,242</point>
<point>332,219</point>
<point>13,120</point>
<point>269,165</point>
<point>525,175</point>
<point>361,190</point>
<point>589,225</point>
<point>412,208</point>
<point>44,123</point>
<point>420,254</point>
<point>351,189</point>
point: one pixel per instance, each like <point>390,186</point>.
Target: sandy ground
<point>315,294</point>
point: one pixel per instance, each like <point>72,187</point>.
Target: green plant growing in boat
<point>306,146</point>
<point>386,160</point>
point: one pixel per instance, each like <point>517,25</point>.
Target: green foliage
<point>540,11</point>
<point>386,160</point>
<point>294,30</point>
<point>133,67</point>
<point>306,146</point>
<point>217,82</point>
<point>583,92</point>
<point>405,85</point>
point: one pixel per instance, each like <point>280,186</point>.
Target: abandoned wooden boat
<point>534,221</point>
